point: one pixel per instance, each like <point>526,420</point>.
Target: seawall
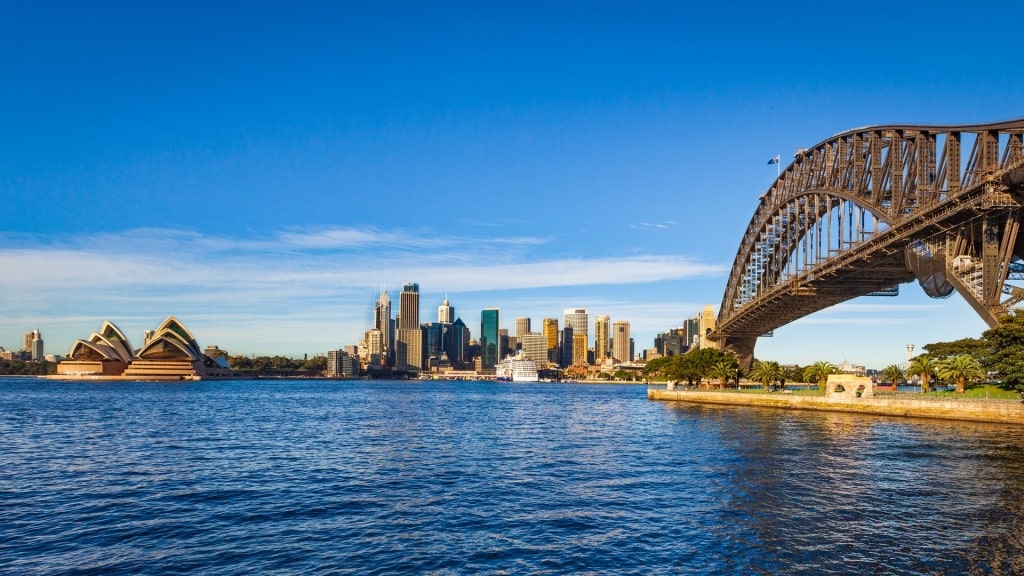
<point>999,411</point>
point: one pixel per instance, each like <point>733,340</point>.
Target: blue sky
<point>261,170</point>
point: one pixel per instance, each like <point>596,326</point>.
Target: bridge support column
<point>743,348</point>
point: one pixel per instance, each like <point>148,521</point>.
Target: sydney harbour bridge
<point>871,208</point>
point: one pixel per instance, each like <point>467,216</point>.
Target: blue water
<point>325,477</point>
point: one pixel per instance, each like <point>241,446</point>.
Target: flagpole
<point>778,166</point>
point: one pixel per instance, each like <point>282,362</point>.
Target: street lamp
<point>910,353</point>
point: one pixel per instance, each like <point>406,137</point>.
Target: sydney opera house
<point>170,353</point>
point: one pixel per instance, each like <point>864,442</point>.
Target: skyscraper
<point>565,354</point>
<point>551,334</point>
<point>620,337</point>
<point>382,322</point>
<point>522,327</point>
<point>445,312</point>
<point>490,341</point>
<point>578,319</point>
<point>409,337</point>
<point>602,324</point>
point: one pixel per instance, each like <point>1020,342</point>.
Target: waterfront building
<point>622,349</point>
<point>445,312</point>
<point>341,364</point>
<point>522,327</point>
<point>382,322</point>
<point>490,338</point>
<point>692,332</point>
<point>535,347</point>
<point>171,353</point>
<point>602,325</point>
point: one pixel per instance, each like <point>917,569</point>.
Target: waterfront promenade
<point>975,410</point>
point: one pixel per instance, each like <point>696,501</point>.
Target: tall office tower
<point>578,318</point>
<point>504,343</point>
<point>535,347</point>
<point>620,336</point>
<point>490,337</point>
<point>550,327</point>
<point>579,349</point>
<point>458,342</point>
<point>433,340</point>
<point>26,340</point>
<point>409,307</point>
<point>445,312</point>
<point>565,354</point>
<point>374,349</point>
<point>708,323</point>
<point>408,336</point>
<point>37,346</point>
<point>522,327</point>
<point>691,331</point>
<point>602,324</point>
<point>382,322</point>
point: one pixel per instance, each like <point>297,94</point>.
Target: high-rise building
<point>26,340</point>
<point>565,354</point>
<point>457,342</point>
<point>341,364</point>
<point>409,307</point>
<point>382,322</point>
<point>602,325</point>
<point>621,351</point>
<point>535,347</point>
<point>551,334</point>
<point>578,319</point>
<point>374,349</point>
<point>522,327</point>
<point>490,337</point>
<point>409,337</point>
<point>445,312</point>
<point>579,349</point>
<point>35,346</point>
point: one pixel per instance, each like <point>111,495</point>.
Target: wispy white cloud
<point>280,281</point>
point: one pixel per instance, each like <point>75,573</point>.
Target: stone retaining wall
<point>1001,411</point>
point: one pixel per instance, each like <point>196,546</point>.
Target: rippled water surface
<point>327,477</point>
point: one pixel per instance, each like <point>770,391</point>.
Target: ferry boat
<point>516,368</point>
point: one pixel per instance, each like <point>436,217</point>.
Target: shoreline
<point>993,411</point>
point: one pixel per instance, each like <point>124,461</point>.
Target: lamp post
<point>910,354</point>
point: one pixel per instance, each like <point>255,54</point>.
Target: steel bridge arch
<point>874,207</point>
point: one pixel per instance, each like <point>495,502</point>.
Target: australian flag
<point>774,160</point>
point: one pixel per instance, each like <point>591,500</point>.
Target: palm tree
<point>766,372</point>
<point>818,372</point>
<point>892,373</point>
<point>962,368</point>
<point>723,370</point>
<point>923,366</point>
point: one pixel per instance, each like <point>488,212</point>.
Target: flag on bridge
<point>774,160</point>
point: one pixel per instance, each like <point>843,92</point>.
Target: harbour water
<point>330,477</point>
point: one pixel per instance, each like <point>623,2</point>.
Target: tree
<point>1004,350</point>
<point>766,372</point>
<point>962,368</point>
<point>923,366</point>
<point>724,369</point>
<point>818,372</point>
<point>892,373</point>
<point>973,346</point>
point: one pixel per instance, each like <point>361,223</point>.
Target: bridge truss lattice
<point>875,207</point>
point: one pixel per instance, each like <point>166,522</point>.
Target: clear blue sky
<point>260,170</point>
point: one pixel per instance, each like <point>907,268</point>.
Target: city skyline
<point>262,171</point>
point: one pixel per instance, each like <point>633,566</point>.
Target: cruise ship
<point>516,368</point>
